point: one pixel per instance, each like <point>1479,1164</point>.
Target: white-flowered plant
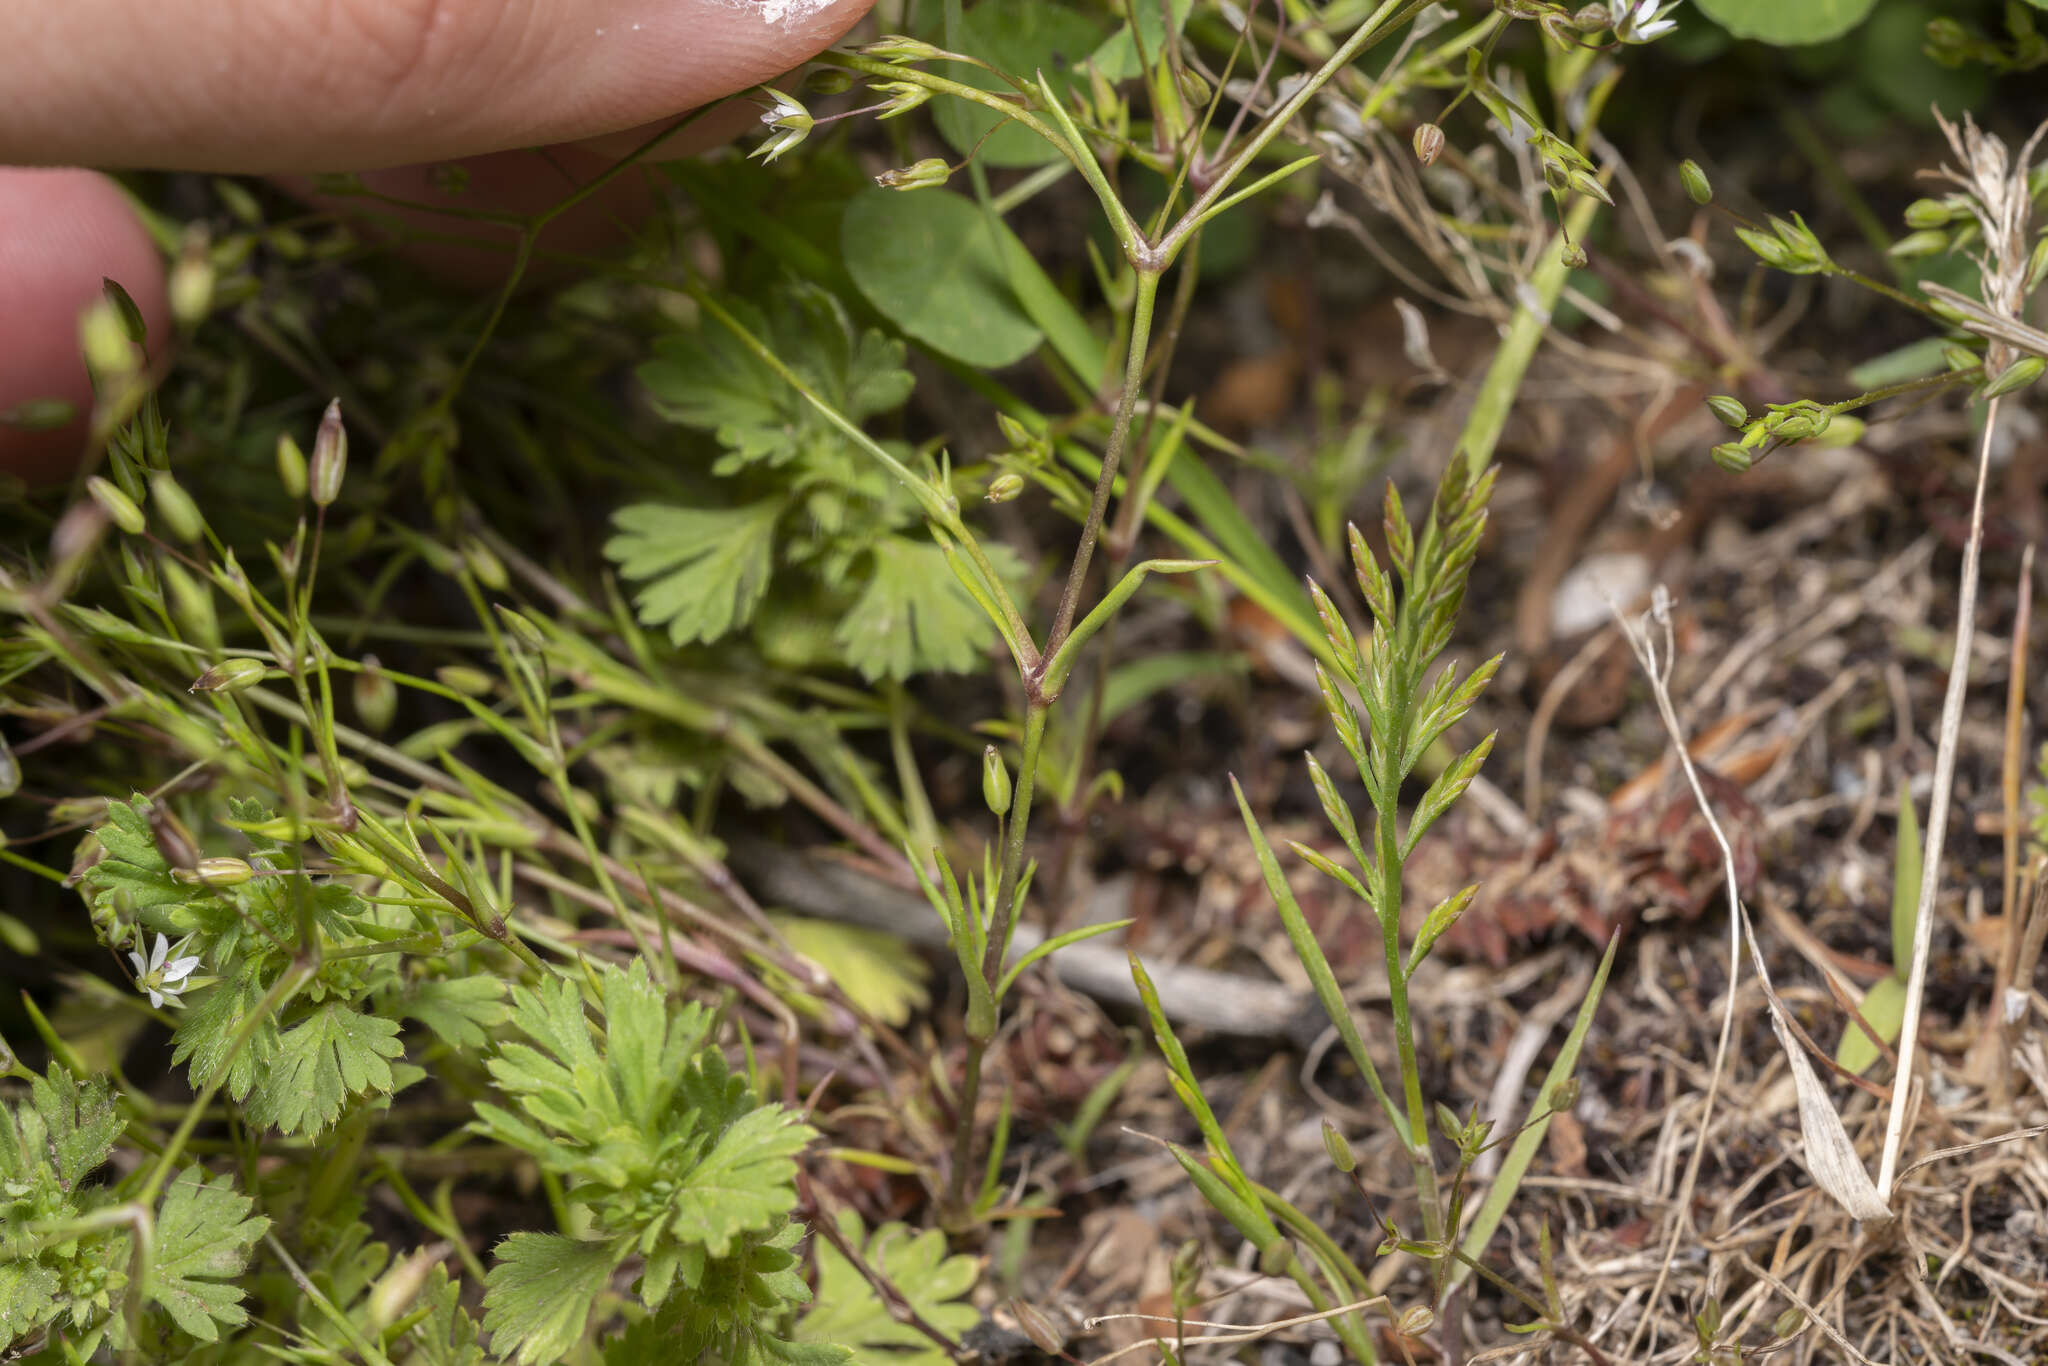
<point>1645,23</point>
<point>791,121</point>
<point>160,974</point>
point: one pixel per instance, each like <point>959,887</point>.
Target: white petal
<point>178,969</point>
<point>141,963</point>
<point>159,953</point>
<point>155,997</point>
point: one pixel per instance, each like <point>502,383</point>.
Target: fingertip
<point>62,233</point>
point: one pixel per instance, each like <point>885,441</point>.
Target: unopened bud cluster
<point>1790,246</point>
<point>1782,424</point>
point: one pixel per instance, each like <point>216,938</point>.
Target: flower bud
<point>2037,264</point>
<point>1697,187</point>
<point>1926,242</point>
<point>119,507</point>
<point>10,770</point>
<point>485,565</point>
<point>1573,254</point>
<point>522,626</point>
<point>1729,409</point>
<point>1588,184</point>
<point>1339,1149</point>
<point>231,675</point>
<point>919,175</point>
<point>330,457</point>
<point>1194,89</point>
<point>175,506</point>
<point>1016,433</point>
<point>291,466</point>
<point>376,697</point>
<point>1429,143</point>
<point>995,781</point>
<point>1733,457</point>
<point>901,97</point>
<point>109,351</point>
<point>1928,213</point>
<point>1564,1095</point>
<point>1959,357</point>
<point>2018,375</point>
<point>216,872</point>
<point>897,50</point>
<point>1004,488</point>
<point>1593,18</point>
<point>462,678</point>
<point>189,287</point>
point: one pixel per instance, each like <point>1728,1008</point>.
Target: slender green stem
<point>1375,27</point>
<point>1036,712</point>
<point>1105,480</point>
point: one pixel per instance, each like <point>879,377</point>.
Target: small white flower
<point>158,978</point>
<point>791,121</point>
<point>1645,23</point>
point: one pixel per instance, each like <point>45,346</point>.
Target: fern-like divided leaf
<point>848,1310</point>
<point>674,1158</point>
<point>203,1233</point>
<point>797,526</point>
<point>50,1146</point>
<point>333,1043</point>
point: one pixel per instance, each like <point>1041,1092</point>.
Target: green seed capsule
<point>1339,1149</point>
<point>2018,375</point>
<point>119,507</point>
<point>216,872</point>
<point>919,175</point>
<point>330,457</point>
<point>1926,242</point>
<point>1429,143</point>
<point>1729,409</point>
<point>1927,213</point>
<point>175,506</point>
<point>484,563</point>
<point>1697,187</point>
<point>376,697</point>
<point>231,675</point>
<point>466,680</point>
<point>110,352</point>
<point>291,466</point>
<point>995,781</point>
<point>1731,456</point>
<point>1004,488</point>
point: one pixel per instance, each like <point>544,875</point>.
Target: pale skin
<point>287,88</point>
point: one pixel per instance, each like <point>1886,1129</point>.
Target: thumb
<point>284,86</point>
